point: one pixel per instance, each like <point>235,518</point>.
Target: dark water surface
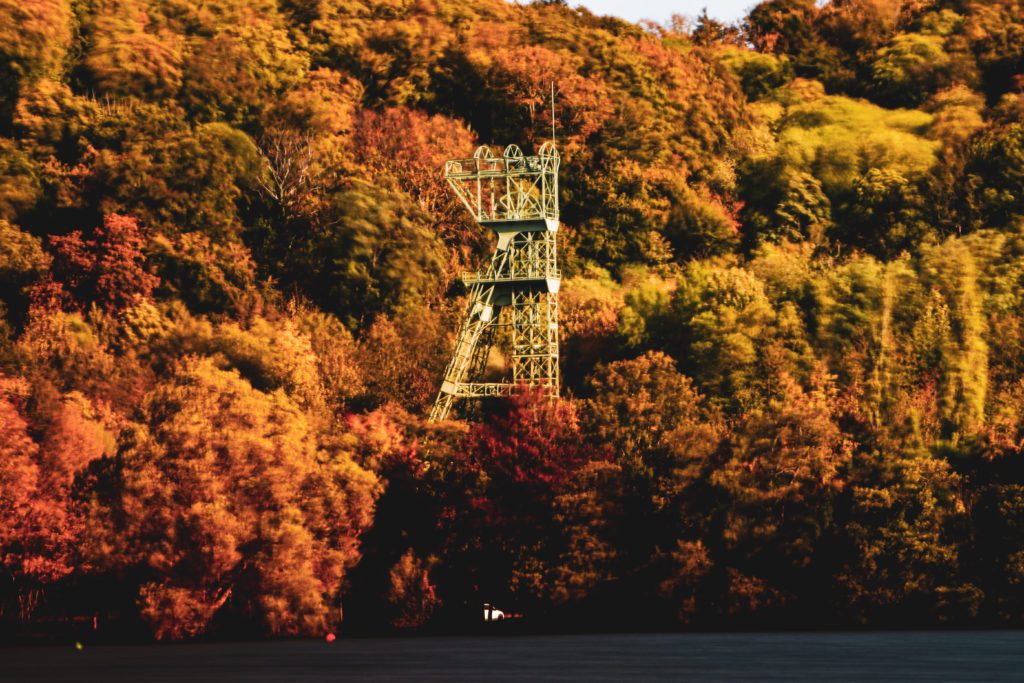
<point>876,656</point>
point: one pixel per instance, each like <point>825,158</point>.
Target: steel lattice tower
<point>516,196</point>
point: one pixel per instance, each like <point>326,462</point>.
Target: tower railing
<point>512,187</point>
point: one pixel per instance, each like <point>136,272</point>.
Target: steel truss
<point>516,196</point>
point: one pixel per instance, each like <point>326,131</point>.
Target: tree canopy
<point>792,323</point>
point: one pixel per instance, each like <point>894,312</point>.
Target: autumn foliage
<point>792,327</point>
<point>107,270</point>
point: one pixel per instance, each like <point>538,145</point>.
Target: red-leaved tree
<point>514,465</point>
<point>108,269</point>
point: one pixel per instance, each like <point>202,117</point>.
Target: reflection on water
<point>875,656</point>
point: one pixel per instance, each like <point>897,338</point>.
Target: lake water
<point>875,656</point>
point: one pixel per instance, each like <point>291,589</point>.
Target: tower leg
<point>480,313</point>
<point>535,339</point>
<point>442,407</point>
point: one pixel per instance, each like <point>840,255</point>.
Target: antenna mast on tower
<point>552,112</point>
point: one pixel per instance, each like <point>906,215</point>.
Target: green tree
<point>722,324</point>
<point>132,52</point>
<point>22,263</point>
<point>887,215</point>
<point>20,186</point>
<point>233,74</point>
<point>371,252</point>
<point>173,178</point>
<point>786,466</point>
<point>993,177</point>
<point>664,442</point>
<point>952,271</point>
<point>911,67</point>
<point>904,511</point>
<point>35,36</point>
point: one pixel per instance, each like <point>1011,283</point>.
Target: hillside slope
<point>792,321</point>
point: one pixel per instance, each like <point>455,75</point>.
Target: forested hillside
<point>792,317</point>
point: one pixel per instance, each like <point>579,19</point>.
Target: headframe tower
<point>516,196</point>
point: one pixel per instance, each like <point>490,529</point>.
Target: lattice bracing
<point>516,196</point>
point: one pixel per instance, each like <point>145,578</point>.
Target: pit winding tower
<point>516,196</point>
